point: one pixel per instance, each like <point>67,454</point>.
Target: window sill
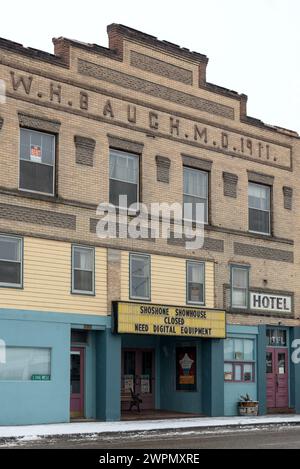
<point>83,293</point>
<point>137,300</point>
<point>11,286</point>
<point>37,195</point>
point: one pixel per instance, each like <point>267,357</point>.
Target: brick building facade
<point>70,122</point>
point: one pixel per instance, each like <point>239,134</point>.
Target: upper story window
<point>259,208</point>
<point>123,178</point>
<point>195,282</point>
<point>195,191</point>
<point>140,277</point>
<point>37,162</point>
<point>11,261</point>
<point>83,270</point>
<point>239,287</point>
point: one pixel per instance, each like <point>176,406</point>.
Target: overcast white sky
<point>253,45</point>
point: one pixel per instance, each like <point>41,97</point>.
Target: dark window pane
<point>281,364</point>
<point>117,188</point>
<point>195,293</point>
<point>75,373</point>
<point>269,363</point>
<point>10,272</point>
<point>10,249</point>
<point>36,177</point>
<point>79,337</point>
<point>83,281</point>
<point>259,221</point>
<point>129,363</point>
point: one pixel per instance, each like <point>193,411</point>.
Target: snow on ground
<point>90,428</point>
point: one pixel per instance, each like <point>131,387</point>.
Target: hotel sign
<point>163,320</point>
<point>273,303</point>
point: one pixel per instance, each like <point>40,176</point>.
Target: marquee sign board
<point>180,321</point>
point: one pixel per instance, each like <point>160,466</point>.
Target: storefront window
<point>186,369</point>
<point>239,360</point>
<point>26,364</point>
<point>228,372</point>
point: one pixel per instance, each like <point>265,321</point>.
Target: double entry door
<point>277,378</point>
<point>138,374</point>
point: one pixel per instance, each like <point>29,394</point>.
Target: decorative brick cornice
<point>37,217</point>
<point>85,148</point>
<point>39,123</point>
<point>163,168</point>
<point>251,250</point>
<point>230,184</point>
<point>119,31</point>
<point>116,77</point>
<point>197,163</point>
<point>288,197</point>
<point>124,144</point>
<point>260,178</point>
<point>210,244</point>
<point>162,68</point>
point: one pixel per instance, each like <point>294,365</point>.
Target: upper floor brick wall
<point>154,96</point>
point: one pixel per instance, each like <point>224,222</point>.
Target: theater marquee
<point>148,319</point>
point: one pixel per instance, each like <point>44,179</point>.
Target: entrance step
<point>282,410</point>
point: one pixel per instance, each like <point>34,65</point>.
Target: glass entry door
<point>77,382</point>
<point>277,378</point>
<point>138,374</point>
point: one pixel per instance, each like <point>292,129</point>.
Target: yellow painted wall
<point>47,281</point>
<point>168,280</point>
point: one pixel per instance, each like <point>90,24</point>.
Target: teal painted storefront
<point>33,402</point>
<point>257,390</point>
<point>233,390</point>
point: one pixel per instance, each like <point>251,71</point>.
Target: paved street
<point>271,437</point>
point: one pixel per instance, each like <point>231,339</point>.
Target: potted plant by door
<point>247,407</point>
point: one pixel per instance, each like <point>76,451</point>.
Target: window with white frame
<point>195,194</point>
<point>239,287</point>
<point>195,282</point>
<point>37,162</point>
<point>11,261</point>
<point>83,270</point>
<point>140,276</point>
<point>26,364</point>
<point>259,208</point>
<point>123,178</point>
<point>239,357</point>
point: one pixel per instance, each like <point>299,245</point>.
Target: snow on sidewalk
<point>91,428</point>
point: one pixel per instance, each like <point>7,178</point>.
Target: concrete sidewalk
<point>99,428</point>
